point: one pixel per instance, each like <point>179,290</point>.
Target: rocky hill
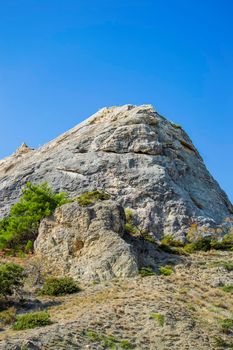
<point>138,193</point>
<point>141,159</point>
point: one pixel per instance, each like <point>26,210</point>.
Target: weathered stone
<point>144,161</point>
<point>86,242</point>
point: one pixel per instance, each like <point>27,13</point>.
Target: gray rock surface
<point>86,242</point>
<point>144,161</point>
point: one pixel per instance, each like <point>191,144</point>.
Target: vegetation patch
<point>146,271</point>
<point>8,316</point>
<point>226,325</point>
<point>227,288</point>
<point>89,198</point>
<point>108,341</point>
<point>130,228</point>
<point>11,279</point>
<point>59,286</point>
<point>19,230</point>
<point>166,270</point>
<point>32,320</point>
<point>160,319</point>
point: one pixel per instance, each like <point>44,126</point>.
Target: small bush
<point>146,271</point>
<point>227,288</point>
<point>8,316</point>
<point>159,318</point>
<point>225,244</point>
<point>171,242</point>
<point>228,265</point>
<point>90,198</point>
<point>32,320</point>
<point>21,226</point>
<point>227,325</point>
<point>108,341</point>
<point>11,279</point>
<point>149,238</point>
<point>59,286</point>
<point>130,228</point>
<point>166,270</point>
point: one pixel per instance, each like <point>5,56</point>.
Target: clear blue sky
<point>61,60</point>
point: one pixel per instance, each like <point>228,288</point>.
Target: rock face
<point>86,242</point>
<point>141,159</point>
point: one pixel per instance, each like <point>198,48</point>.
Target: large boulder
<point>141,159</point>
<point>86,242</point>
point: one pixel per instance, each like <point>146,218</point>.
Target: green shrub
<point>166,270</point>
<point>32,320</point>
<point>11,279</point>
<point>226,325</point>
<point>146,271</point>
<point>149,238</point>
<point>129,226</point>
<point>225,244</point>
<point>21,226</point>
<point>159,318</point>
<point>29,246</point>
<point>90,198</point>
<point>59,286</point>
<point>227,288</point>
<point>8,316</point>
<point>168,240</point>
<point>108,341</point>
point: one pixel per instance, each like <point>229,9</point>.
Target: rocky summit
<point>142,160</point>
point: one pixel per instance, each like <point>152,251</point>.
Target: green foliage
<point>59,286</point>
<point>166,270</point>
<point>32,320</point>
<point>29,246</point>
<point>11,279</point>
<point>130,228</point>
<point>168,240</point>
<point>149,238</point>
<point>159,318</point>
<point>146,271</point>
<point>109,342</point>
<point>228,265</point>
<point>228,288</point>
<point>90,198</point>
<point>226,325</point>
<point>21,226</point>
<point>8,316</point>
<point>222,343</point>
<point>225,244</point>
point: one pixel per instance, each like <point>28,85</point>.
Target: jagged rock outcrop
<point>86,242</point>
<point>141,159</point>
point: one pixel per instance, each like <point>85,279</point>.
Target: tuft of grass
<point>32,320</point>
<point>159,318</point>
<point>90,198</point>
<point>8,316</point>
<point>108,341</point>
<point>130,228</point>
<point>168,240</point>
<point>59,286</point>
<point>166,270</point>
<point>220,342</point>
<point>227,288</point>
<point>146,271</point>
<point>226,325</point>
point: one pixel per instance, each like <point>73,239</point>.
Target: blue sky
<point>61,60</point>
